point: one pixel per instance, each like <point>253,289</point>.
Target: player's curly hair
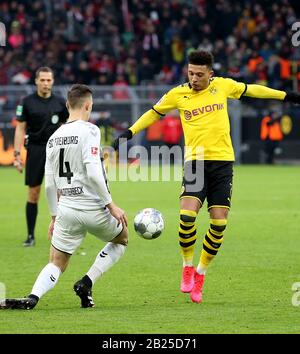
<point>201,57</point>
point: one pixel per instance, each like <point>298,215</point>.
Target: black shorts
<point>208,179</point>
<point>35,165</point>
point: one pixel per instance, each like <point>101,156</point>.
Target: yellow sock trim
<point>193,228</point>
<point>205,259</point>
<point>187,240</point>
<point>188,212</point>
<point>188,253</point>
<point>218,222</point>
<point>215,241</point>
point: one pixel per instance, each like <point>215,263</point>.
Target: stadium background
<point>131,51</point>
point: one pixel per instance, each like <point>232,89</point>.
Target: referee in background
<point>38,116</point>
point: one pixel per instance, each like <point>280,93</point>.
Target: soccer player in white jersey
<point>75,173</point>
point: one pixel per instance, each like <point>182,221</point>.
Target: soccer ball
<point>149,223</point>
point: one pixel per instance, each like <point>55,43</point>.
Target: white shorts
<point>71,226</point>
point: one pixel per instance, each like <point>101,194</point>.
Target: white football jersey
<point>69,149</point>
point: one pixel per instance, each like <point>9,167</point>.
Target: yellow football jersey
<point>204,117</point>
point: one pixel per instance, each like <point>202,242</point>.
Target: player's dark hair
<point>201,57</point>
<point>43,69</point>
<point>77,94</point>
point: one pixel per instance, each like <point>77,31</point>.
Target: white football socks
<point>46,280</point>
<point>107,257</point>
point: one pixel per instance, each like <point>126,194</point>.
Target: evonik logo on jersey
<point>205,109</point>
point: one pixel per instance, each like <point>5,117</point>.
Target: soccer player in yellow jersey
<point>202,104</point>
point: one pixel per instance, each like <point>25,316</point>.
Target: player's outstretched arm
<point>147,119</point>
<point>260,91</point>
<point>51,197</point>
<point>97,182</point>
<point>127,135</point>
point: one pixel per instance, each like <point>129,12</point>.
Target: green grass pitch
<point>248,286</point>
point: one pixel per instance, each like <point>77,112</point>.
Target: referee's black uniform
<point>42,116</point>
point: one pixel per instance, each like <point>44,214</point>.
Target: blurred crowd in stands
<point>133,42</point>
